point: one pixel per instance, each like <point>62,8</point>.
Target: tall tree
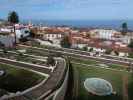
<point>13,18</point>
<point>65,42</point>
<point>124,28</point>
<point>50,60</point>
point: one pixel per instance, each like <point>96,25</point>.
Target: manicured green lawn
<point>16,79</point>
<point>84,61</point>
<point>114,77</point>
<point>36,52</point>
<point>93,62</point>
<point>119,67</point>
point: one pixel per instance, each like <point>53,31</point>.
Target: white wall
<point>105,33</point>
<point>52,36</point>
<point>22,32</point>
<point>7,40</point>
<point>6,30</point>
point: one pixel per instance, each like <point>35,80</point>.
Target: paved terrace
<point>44,89</point>
<point>50,84</point>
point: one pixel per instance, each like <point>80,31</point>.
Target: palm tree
<point>124,28</point>
<point>13,18</point>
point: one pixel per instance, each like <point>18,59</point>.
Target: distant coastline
<point>116,24</point>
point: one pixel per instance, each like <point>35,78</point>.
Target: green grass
<point>36,52</point>
<point>16,79</point>
<point>119,67</point>
<point>130,55</point>
<point>94,62</point>
<point>22,57</point>
<point>84,61</point>
<point>114,77</point>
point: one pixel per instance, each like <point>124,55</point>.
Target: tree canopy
<point>124,28</point>
<point>13,17</point>
<point>131,44</point>
<point>50,60</point>
<point>65,42</point>
<point>85,48</point>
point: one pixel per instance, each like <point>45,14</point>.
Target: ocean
<point>116,24</point>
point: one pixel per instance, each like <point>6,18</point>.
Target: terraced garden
<point>18,79</point>
<point>14,55</point>
<point>100,64</point>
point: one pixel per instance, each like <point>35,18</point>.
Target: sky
<point>68,9</point>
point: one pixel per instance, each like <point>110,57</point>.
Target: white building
<point>7,39</point>
<point>6,30</point>
<point>22,32</point>
<point>42,42</point>
<point>80,46</point>
<point>52,36</point>
<point>126,39</point>
<point>104,33</point>
<point>123,39</point>
<point>7,36</point>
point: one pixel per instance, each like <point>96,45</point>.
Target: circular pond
<point>98,86</point>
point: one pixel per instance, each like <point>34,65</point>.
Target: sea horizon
<point>115,24</point>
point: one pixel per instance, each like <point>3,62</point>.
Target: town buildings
<point>99,39</point>
<point>7,35</point>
